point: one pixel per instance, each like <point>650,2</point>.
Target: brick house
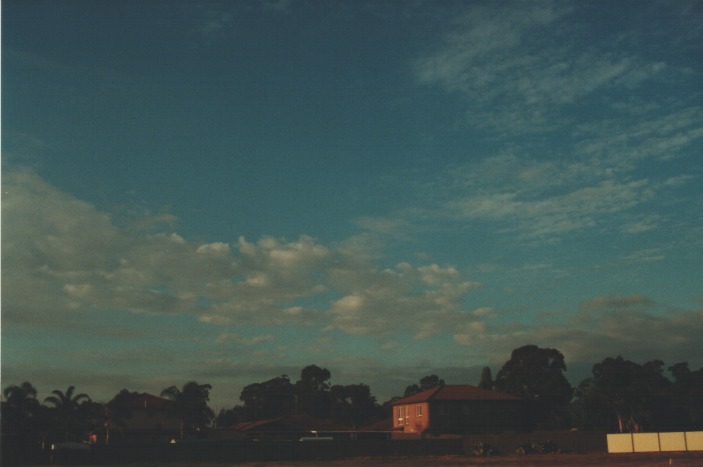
<point>460,409</point>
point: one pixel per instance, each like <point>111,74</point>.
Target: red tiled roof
<point>146,401</point>
<point>455,392</point>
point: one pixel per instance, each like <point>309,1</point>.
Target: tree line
<point>620,395</point>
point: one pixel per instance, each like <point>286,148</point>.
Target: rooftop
<point>455,392</point>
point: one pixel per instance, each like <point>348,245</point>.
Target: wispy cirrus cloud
<point>601,178</point>
<point>518,69</point>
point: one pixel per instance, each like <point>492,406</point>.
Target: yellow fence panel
<point>672,441</point>
<point>694,440</point>
<point>645,442</point>
<point>620,442</point>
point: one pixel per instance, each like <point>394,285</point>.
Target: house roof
<point>455,392</point>
<point>146,401</point>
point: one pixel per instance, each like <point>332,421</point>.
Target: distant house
<point>147,419</point>
<point>459,409</point>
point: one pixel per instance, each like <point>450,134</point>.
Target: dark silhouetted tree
<point>19,408</point>
<point>313,391</point>
<point>353,405</point>
<point>270,399</point>
<point>426,382</point>
<point>229,417</point>
<point>191,406</point>
<point>535,374</point>
<point>70,412</point>
<point>625,396</point>
<point>21,416</point>
<point>687,392</point>
<point>486,379</point>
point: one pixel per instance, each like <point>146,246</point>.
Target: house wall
<point>462,417</point>
<point>412,418</point>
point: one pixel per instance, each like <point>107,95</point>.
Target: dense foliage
<point>536,374</point>
<point>621,395</point>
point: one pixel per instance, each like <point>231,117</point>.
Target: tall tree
<point>190,404</point>
<point>535,374</point>
<point>313,391</point>
<point>270,399</point>
<point>20,405</point>
<point>71,411</point>
<point>625,396</point>
<point>353,405</point>
<point>686,393</point>
<point>486,379</point>
<point>20,411</point>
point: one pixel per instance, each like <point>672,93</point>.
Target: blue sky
<point>230,191</point>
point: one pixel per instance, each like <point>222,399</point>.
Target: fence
<point>565,440</point>
<point>655,442</point>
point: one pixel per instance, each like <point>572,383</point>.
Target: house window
<point>418,411</point>
<point>400,413</point>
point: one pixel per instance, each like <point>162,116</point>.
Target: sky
<point>227,192</point>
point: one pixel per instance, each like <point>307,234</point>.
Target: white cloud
<point>579,208</point>
<point>213,24</point>
<point>68,257</point>
<point>227,337</point>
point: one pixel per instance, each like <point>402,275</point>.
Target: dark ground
<point>656,459</point>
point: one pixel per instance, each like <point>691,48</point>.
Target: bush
<point>484,449</point>
<point>546,447</point>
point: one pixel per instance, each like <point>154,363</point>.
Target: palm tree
<point>20,409</point>
<point>190,405</point>
<point>20,401</point>
<point>68,408</point>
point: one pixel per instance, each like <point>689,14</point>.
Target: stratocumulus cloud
<point>72,257</point>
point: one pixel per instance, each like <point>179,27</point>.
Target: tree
<point>313,391</point>
<point>426,382</point>
<point>19,407</point>
<point>270,399</point>
<point>229,417</point>
<point>686,392</point>
<point>625,396</point>
<point>21,414</point>
<point>70,411</point>
<point>535,374</point>
<point>486,379</point>
<point>353,405</point>
<point>190,404</point>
